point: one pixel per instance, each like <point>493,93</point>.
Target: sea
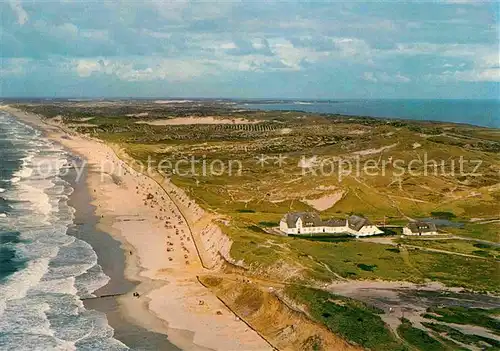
<point>44,272</point>
<point>485,113</point>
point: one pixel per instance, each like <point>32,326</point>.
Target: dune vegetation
<point>391,171</point>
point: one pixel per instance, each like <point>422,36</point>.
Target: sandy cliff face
<point>213,245</point>
<point>283,327</point>
<point>217,245</point>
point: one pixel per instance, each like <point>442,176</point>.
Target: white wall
<point>365,231</point>
<point>369,230</point>
<point>283,226</point>
<point>407,231</point>
<point>337,230</point>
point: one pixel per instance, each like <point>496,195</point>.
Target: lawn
<point>327,258</point>
<point>461,246</point>
<point>453,270</point>
<point>487,232</point>
<point>349,318</point>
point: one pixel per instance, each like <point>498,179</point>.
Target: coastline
<point>480,113</point>
<point>172,302</point>
<point>111,258</point>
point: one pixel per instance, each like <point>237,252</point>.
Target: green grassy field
<point>349,318</point>
<point>488,231</point>
<point>357,259</point>
<point>461,246</point>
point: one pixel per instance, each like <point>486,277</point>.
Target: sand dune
<point>324,202</point>
<point>196,120</point>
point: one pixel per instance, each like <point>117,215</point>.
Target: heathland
<point>246,169</point>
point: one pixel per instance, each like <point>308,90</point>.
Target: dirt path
<point>476,240</point>
<point>444,251</point>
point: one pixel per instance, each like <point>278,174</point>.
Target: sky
<point>249,49</point>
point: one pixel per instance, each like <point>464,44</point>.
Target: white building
<point>309,223</point>
<point>420,228</point>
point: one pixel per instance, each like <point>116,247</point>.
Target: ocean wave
<point>40,306</point>
<point>2,190</point>
<point>18,284</point>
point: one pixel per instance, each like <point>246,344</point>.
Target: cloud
<point>243,46</point>
<point>449,50</point>
<point>352,46</point>
<point>142,69</point>
<point>13,67</point>
<point>284,57</point>
<point>86,67</point>
<point>179,11</point>
<point>341,46</point>
<point>483,59</point>
<point>301,48</point>
<point>22,15</point>
<point>384,77</point>
<point>399,78</point>
<point>261,55</point>
<point>370,76</point>
<point>475,75</point>
<point>291,56</point>
<point>95,34</point>
<point>467,2</point>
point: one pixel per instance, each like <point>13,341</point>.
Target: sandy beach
<point>111,257</point>
<point>157,227</point>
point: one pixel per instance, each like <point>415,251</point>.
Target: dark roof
<point>421,227</point>
<point>309,219</point>
<point>335,223</point>
<point>357,222</point>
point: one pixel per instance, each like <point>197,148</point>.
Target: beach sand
<point>111,257</point>
<point>160,255</point>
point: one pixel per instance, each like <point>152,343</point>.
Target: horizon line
<point>224,98</point>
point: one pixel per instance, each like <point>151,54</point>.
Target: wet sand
<point>111,257</point>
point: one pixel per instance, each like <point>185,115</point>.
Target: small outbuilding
<point>420,228</point>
